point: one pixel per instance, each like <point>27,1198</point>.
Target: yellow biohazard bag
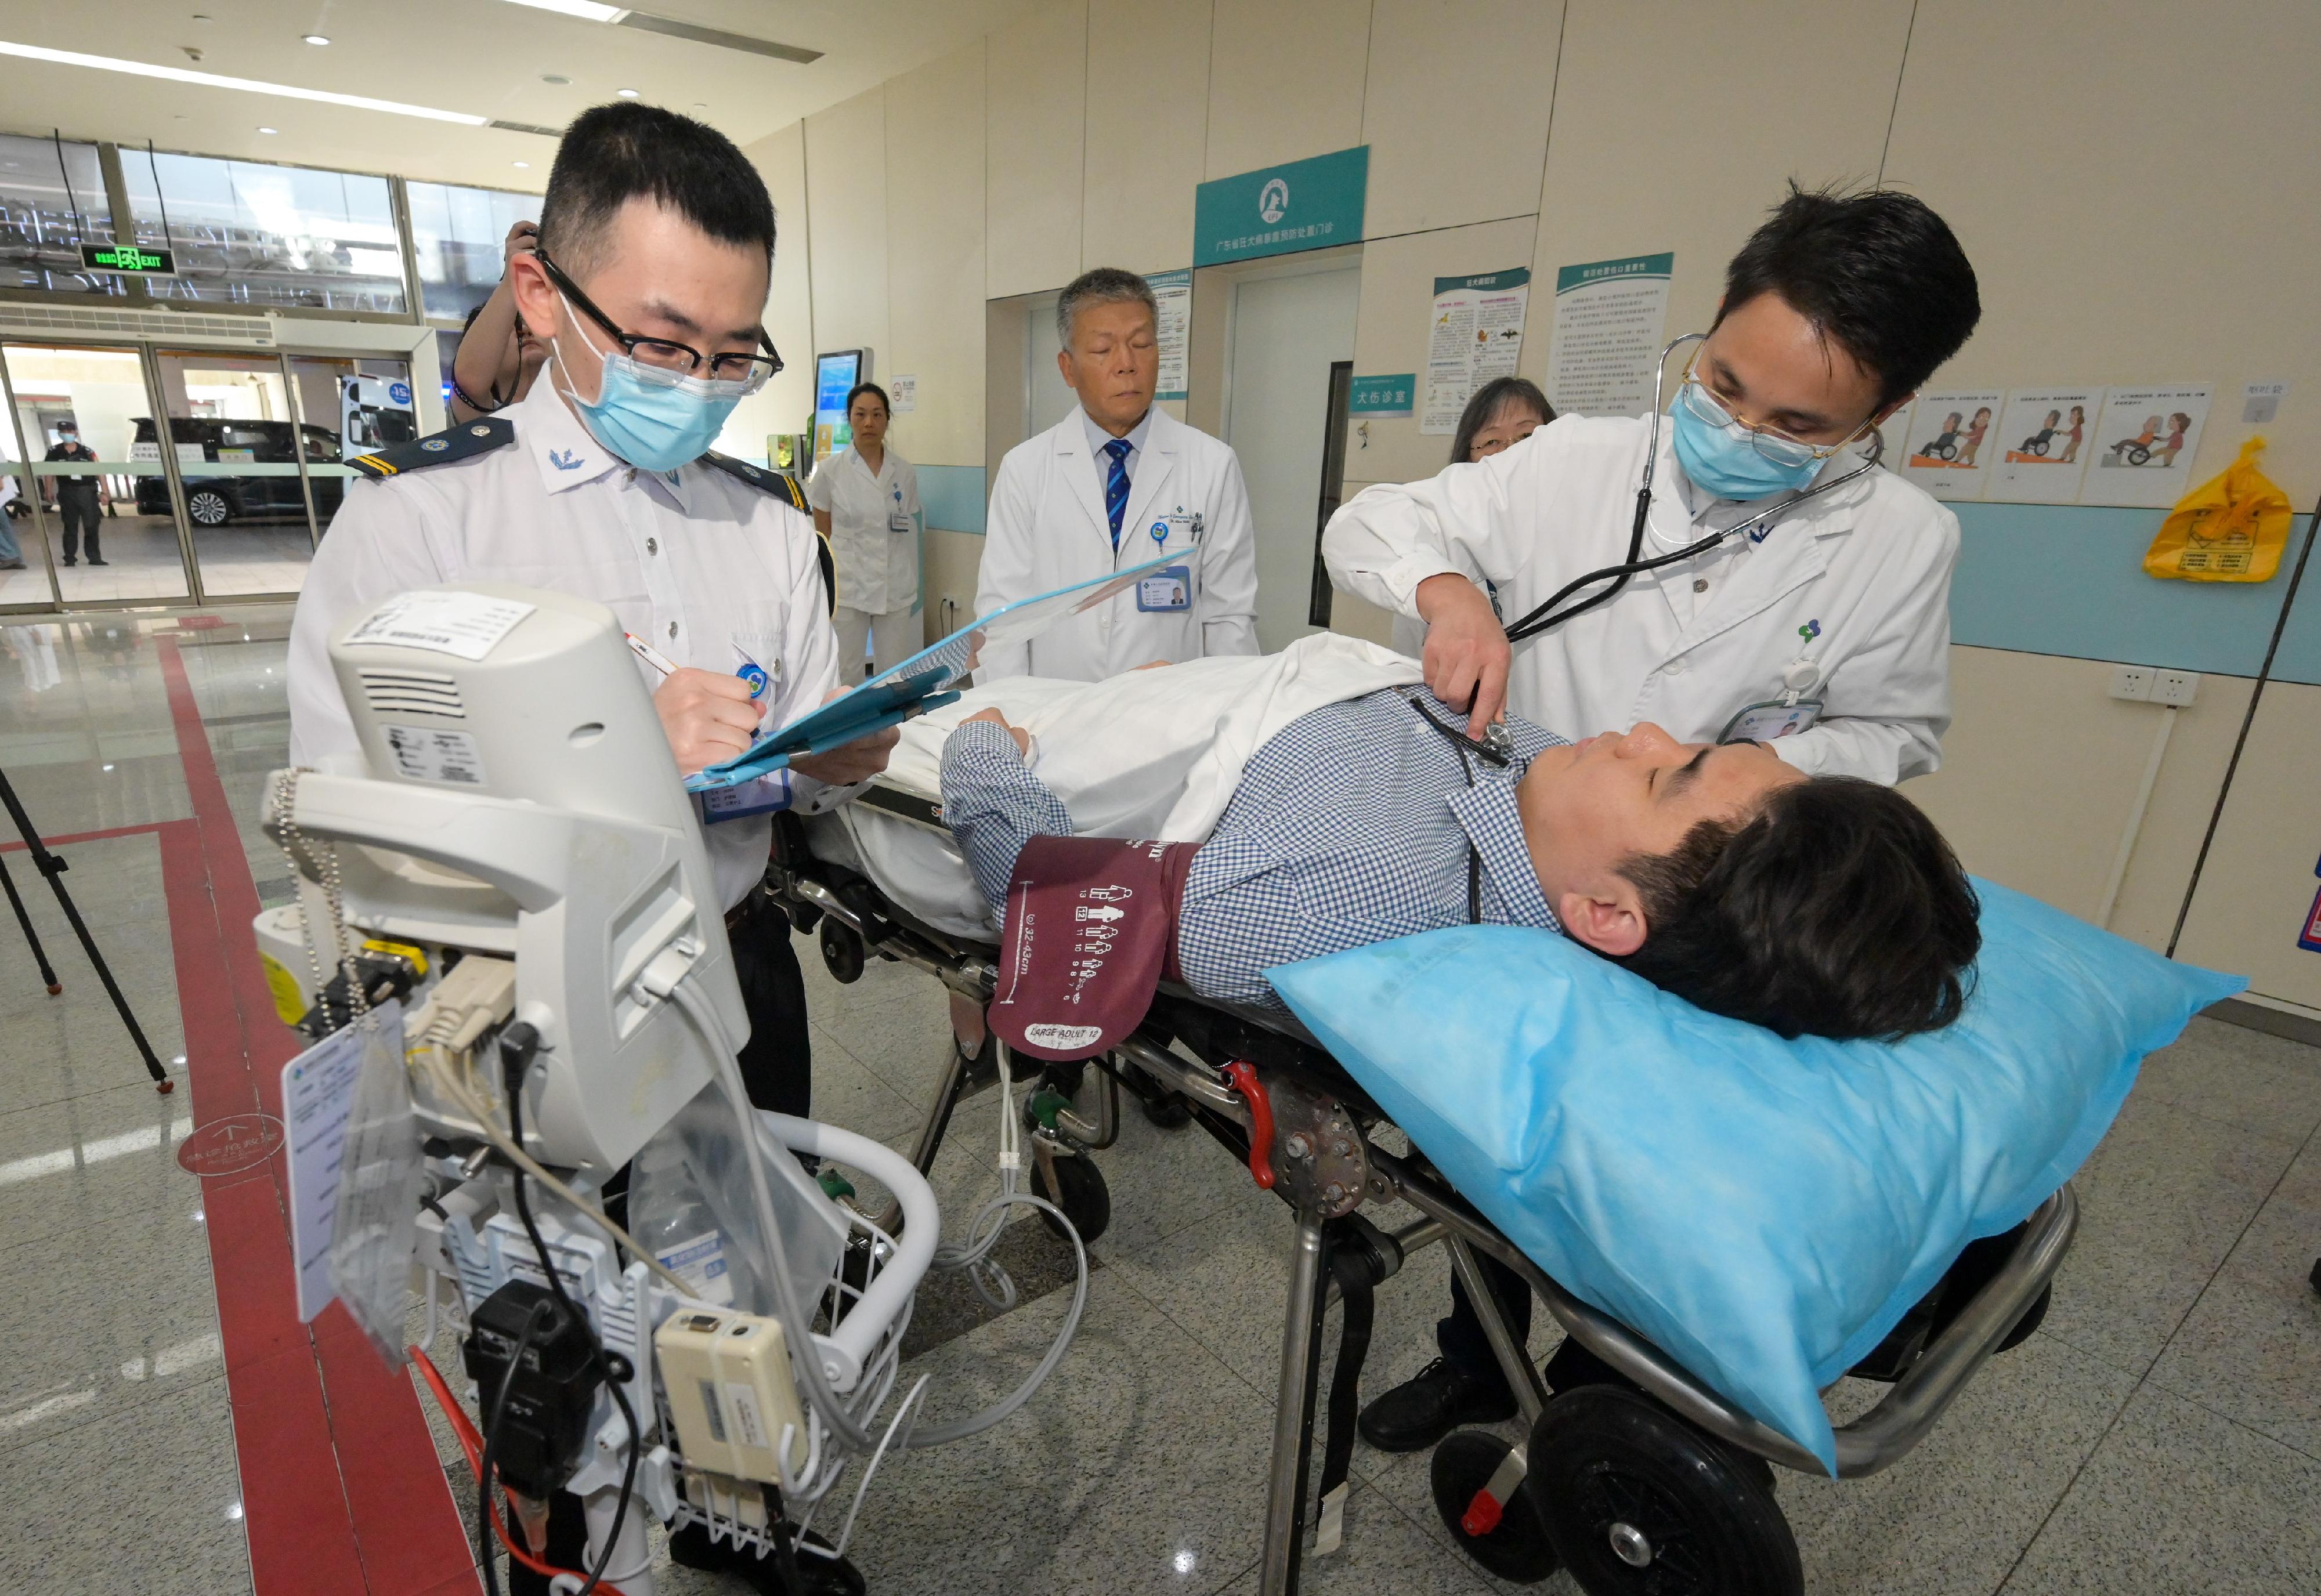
<point>2229,528</point>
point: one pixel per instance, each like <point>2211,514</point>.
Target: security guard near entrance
<point>648,285</point>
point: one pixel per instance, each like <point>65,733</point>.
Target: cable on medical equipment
<point>1542,616</point>
<point>438,1067</point>
<point>463,1430</point>
<point>518,1043</point>
<point>533,1323</point>
<point>824,1399</point>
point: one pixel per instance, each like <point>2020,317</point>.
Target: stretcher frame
<point>1279,1087</point>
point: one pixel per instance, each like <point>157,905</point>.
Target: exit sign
<point>129,258</point>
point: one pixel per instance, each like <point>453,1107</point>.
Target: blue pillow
<point>1763,1211</point>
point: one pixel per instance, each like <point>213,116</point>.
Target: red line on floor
<point>16,847</point>
<point>341,1489</point>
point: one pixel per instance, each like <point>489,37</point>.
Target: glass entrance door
<point>349,405</point>
<point>104,529</point>
<point>240,454</point>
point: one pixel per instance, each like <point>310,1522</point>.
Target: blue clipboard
<point>921,683</point>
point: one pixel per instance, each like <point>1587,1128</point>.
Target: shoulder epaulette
<point>780,484</point>
<point>464,441</point>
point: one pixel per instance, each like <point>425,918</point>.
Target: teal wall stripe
<point>2069,579</point>
<point>952,497</point>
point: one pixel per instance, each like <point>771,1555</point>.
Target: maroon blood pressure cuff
<point>1091,932</point>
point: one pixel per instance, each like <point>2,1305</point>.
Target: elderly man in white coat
<point>1821,629</point>
<point>1111,485</point>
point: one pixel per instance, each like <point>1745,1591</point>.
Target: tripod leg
<point>53,867</point>
<point>40,954</point>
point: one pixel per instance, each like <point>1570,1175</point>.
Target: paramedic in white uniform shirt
<point>866,502</point>
<point>1111,485</point>
<point>597,483</point>
<point>1834,314</point>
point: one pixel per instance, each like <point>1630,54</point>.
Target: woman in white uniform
<point>866,502</point>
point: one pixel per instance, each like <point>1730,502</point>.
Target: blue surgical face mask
<point>1725,462</point>
<point>653,422</point>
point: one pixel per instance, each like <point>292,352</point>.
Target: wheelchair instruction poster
<point>894,695</point>
<point>1948,440</point>
<point>2143,447</point>
<point>2045,436</point>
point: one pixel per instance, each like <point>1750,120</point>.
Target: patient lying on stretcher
<point>1817,905</point>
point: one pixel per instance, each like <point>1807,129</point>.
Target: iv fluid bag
<point>689,1202</point>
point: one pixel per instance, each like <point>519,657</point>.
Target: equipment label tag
<point>424,754</point>
<point>467,624</point>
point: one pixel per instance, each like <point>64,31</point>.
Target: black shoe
<point>94,561</point>
<point>70,560</point>
<point>1431,1404</point>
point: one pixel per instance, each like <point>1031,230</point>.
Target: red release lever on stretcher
<point>1260,1122</point>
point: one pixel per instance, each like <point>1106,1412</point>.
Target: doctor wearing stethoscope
<point>1735,565</point>
<point>1730,565</point>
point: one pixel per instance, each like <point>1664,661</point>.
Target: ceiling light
<point>627,94</point>
<point>266,130</point>
<point>523,163</point>
<point>622,16</point>
<point>588,10</point>
<point>555,79</point>
<point>68,57</point>
<point>317,39</point>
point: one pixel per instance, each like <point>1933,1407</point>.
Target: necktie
<point>1115,485</point>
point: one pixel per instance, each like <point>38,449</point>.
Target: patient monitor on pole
<point>520,800</point>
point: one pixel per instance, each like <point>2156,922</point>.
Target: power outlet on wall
<point>2132,681</point>
<point>2175,687</point>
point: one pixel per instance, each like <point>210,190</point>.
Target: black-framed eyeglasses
<point>665,361</point>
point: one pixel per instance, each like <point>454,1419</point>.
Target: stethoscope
<point>1547,615</point>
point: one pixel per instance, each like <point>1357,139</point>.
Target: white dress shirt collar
<point>1097,438</point>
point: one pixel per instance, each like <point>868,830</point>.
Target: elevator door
<point>1288,332</point>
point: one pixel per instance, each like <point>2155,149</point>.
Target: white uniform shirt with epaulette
<point>710,569</point>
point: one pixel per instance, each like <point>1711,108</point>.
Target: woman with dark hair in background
<point>866,502</point>
<point>1503,411</point>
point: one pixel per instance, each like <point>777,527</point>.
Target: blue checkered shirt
<point>1352,825</point>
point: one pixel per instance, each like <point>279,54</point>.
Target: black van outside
<point>214,501</point>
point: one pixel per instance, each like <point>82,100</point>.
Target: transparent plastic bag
<point>689,1201</point>
<point>381,1179</point>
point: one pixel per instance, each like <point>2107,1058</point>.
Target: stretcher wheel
<point>1080,1192</point>
<point>1516,1548</point>
<point>1639,1503</point>
<point>841,951</point>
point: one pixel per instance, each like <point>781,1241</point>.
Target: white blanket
<point>1153,753</point>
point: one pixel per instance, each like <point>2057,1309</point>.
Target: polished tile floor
<point>2160,1434</point>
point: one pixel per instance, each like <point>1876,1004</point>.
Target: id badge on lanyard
<point>1790,713</point>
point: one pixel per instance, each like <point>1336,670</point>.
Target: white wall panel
<point>1036,116</point>
<point>1148,103</point>
<point>1455,110</point>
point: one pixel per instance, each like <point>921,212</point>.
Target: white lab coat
<point>878,566</point>
<point>1865,569</point>
<point>1047,528</point>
